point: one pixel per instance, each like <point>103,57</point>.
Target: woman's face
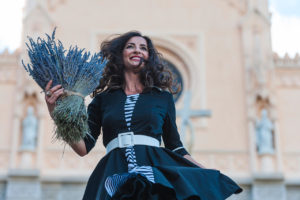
<point>135,49</point>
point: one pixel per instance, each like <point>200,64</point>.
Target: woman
<point>134,111</point>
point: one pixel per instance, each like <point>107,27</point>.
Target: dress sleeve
<point>170,135</point>
<point>94,123</point>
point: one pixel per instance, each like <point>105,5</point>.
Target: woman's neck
<point>133,84</point>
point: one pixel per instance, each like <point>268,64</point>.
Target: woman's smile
<point>135,58</point>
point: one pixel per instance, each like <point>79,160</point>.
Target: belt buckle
<point>126,139</point>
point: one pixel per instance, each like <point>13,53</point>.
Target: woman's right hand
<point>52,94</point>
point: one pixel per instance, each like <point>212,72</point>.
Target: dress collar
<point>144,91</point>
<point>157,88</point>
<point>152,88</point>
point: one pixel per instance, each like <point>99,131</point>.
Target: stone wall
<point>2,189</point>
<point>62,191</point>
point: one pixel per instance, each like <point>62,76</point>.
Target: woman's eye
<point>129,46</point>
<point>144,48</point>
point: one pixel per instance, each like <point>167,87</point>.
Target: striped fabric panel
<point>130,153</point>
<point>130,157</point>
<point>147,171</point>
<point>129,107</point>
<point>112,183</point>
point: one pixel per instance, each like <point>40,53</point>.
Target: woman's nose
<point>137,50</point>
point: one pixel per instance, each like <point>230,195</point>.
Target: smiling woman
<point>135,112</point>
<point>134,108</point>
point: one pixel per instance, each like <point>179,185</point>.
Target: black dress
<point>146,172</point>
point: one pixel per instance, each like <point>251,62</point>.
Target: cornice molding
<point>286,61</point>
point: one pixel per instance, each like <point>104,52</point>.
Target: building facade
<point>222,52</point>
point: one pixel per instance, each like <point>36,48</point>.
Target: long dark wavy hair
<point>153,74</point>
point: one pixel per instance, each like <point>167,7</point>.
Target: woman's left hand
<point>188,157</point>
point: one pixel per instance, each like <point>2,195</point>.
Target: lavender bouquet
<point>77,72</point>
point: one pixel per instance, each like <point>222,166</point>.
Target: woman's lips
<point>135,58</point>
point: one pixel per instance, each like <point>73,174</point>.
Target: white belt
<point>129,139</point>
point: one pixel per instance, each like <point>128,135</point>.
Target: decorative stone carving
<point>286,61</point>
<point>240,163</point>
<point>264,134</point>
<point>288,80</point>
<point>229,162</point>
<point>29,130</point>
<point>9,59</point>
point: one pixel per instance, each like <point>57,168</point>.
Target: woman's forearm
<point>188,157</point>
<point>79,148</point>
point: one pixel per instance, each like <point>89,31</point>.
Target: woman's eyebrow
<point>131,43</point>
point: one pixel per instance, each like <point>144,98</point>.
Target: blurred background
<point>238,111</point>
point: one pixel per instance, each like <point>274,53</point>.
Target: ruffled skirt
<point>170,177</point>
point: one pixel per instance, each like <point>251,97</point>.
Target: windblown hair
<point>153,74</point>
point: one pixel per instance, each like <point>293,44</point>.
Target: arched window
<point>177,78</point>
